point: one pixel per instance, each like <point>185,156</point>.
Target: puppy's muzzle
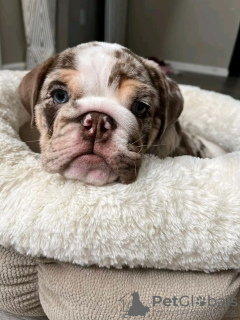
<point>97,127</point>
<point>95,141</point>
<point>90,143</point>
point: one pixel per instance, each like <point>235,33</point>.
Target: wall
<point>12,32</point>
<point>190,31</point>
<point>115,21</point>
<point>84,21</point>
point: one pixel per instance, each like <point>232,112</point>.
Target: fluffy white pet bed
<point>181,213</point>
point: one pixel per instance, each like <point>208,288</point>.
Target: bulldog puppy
<point>99,107</point>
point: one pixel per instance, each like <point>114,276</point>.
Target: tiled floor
<point>229,86</point>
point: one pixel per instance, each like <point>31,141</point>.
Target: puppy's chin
<point>90,169</point>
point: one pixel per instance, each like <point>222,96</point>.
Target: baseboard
<point>14,66</point>
<point>215,71</point>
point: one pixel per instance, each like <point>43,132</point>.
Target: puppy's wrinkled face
<point>99,108</point>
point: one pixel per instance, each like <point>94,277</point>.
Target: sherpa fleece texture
<point>181,213</point>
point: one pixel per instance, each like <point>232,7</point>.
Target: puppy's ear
<point>174,102</point>
<point>30,87</point>
<point>170,97</point>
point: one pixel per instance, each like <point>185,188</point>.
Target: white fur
<point>95,66</point>
<point>181,213</point>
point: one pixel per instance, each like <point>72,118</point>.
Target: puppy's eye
<point>139,109</point>
<point>60,96</point>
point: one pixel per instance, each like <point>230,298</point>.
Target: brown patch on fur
<point>30,136</point>
<point>154,132</point>
<point>71,78</point>
<point>31,84</point>
<point>66,60</point>
<point>50,112</point>
<point>127,89</point>
<point>118,54</point>
<point>128,66</point>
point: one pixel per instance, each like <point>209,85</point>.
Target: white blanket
<point>181,213</point>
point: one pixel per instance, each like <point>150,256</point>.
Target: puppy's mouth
<point>90,169</point>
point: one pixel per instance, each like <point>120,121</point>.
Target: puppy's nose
<point>98,125</point>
